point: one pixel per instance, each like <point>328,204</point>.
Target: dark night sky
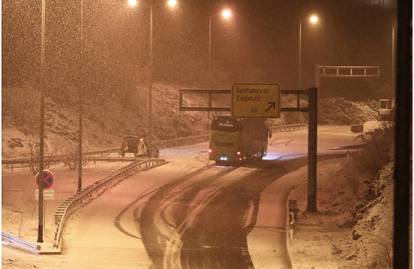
<point>259,45</point>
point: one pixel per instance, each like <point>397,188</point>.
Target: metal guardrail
<point>61,157</point>
<point>288,127</point>
<point>17,242</point>
<point>91,192</point>
<point>56,158</point>
<point>181,140</point>
<point>197,138</point>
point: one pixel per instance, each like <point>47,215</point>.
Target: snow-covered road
<point>282,144</point>
<point>192,214</point>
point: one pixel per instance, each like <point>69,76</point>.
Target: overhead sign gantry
<point>341,71</point>
<point>263,101</point>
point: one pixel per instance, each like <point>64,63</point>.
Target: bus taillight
<point>238,153</point>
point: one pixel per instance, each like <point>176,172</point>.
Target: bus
<point>237,139</point>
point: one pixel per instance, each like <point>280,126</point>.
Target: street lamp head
<point>172,3</point>
<point>314,19</point>
<point>132,3</point>
<point>226,13</point>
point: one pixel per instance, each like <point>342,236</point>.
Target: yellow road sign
<point>255,101</point>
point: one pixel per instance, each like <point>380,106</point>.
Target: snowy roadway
<point>192,214</point>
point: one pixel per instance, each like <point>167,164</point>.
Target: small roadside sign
<point>48,194</point>
<point>255,100</point>
<point>48,179</point>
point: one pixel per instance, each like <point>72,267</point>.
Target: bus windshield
<point>226,124</point>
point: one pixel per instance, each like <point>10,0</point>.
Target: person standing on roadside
<point>142,148</point>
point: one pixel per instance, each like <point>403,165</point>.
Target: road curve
<point>209,220</point>
<point>188,214</point>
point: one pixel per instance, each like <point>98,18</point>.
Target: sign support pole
<point>312,149</point>
<point>42,119</point>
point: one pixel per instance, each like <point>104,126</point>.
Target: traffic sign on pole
<point>255,100</point>
<point>47,180</point>
<point>48,194</point>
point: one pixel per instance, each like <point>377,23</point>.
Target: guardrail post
<point>312,149</point>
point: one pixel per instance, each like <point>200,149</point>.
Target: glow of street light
<point>132,3</point>
<point>172,3</point>
<point>226,13</point>
<point>314,19</point>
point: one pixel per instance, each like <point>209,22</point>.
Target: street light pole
<point>300,56</point>
<point>80,85</point>
<point>150,75</point>
<point>171,4</point>
<point>210,76</point>
<point>226,14</point>
<point>393,59</point>
<point>42,120</point>
<point>313,19</point>
<point>209,52</point>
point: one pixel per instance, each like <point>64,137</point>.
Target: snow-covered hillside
<point>106,120</point>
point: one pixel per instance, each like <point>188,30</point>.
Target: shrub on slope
<point>341,111</point>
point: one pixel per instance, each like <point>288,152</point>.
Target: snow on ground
<point>372,124</point>
<point>128,115</point>
<point>331,238</point>
<point>267,240</point>
<point>85,245</point>
<point>341,111</point>
<point>282,145</point>
<point>313,233</point>
<point>371,246</point>
<point>20,215</point>
<point>20,209</point>
<point>105,121</point>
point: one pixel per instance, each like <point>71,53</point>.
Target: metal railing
<point>288,127</point>
<point>181,140</point>
<point>348,71</point>
<point>99,154</point>
<point>91,192</point>
<point>55,158</point>
<point>17,242</point>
